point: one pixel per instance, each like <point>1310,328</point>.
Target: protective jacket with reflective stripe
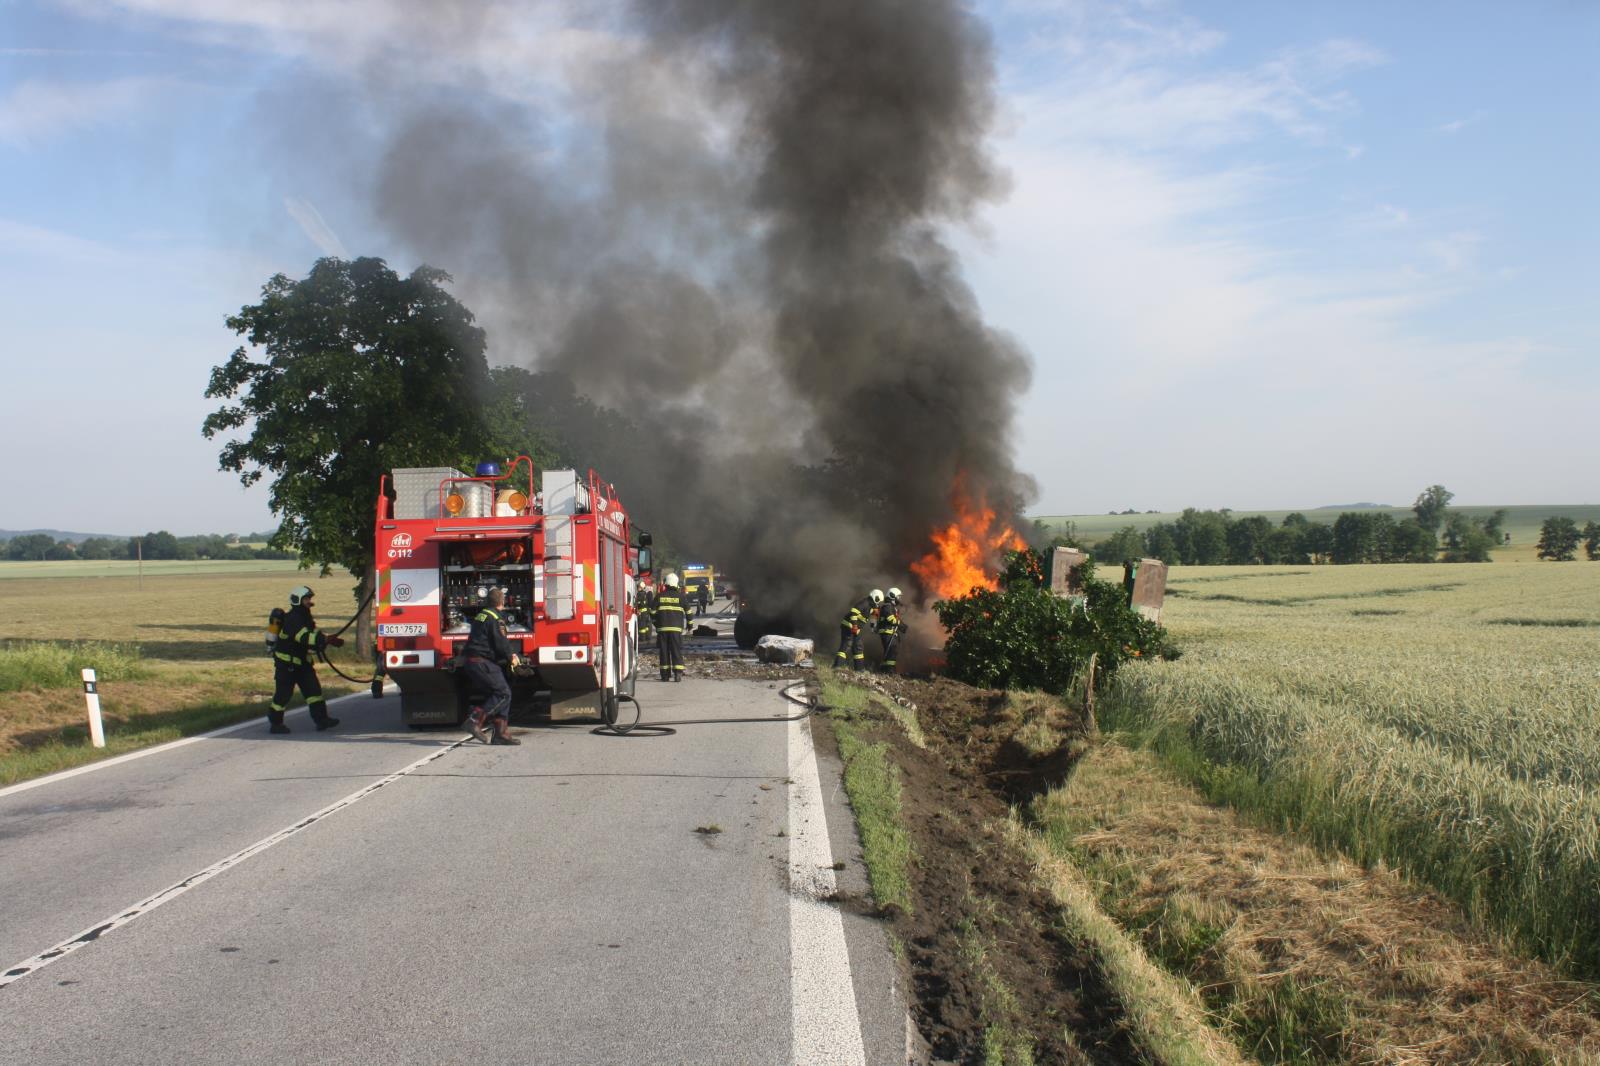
<point>487,640</point>
<point>667,608</point>
<point>299,639</point>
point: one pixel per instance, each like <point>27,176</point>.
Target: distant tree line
<point>1559,539</point>
<point>39,547</point>
<point>1213,538</point>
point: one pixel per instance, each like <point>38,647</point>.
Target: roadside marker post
<point>97,730</point>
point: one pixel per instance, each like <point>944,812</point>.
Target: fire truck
<point>560,549</point>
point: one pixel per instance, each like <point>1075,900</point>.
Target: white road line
<point>825,1026</point>
<point>172,892</point>
<point>89,768</point>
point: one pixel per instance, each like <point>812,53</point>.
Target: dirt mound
<point>982,943</point>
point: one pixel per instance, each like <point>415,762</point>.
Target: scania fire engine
<point>561,551</point>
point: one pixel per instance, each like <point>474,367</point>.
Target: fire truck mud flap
<point>430,697</point>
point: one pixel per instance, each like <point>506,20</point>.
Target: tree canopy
<point>348,373</point>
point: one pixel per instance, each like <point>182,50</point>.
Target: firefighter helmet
<point>300,595</point>
<point>877,595</point>
<point>894,595</point>
<point>672,581</point>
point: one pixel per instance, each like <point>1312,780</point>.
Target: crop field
<point>1522,522</point>
<point>178,653</point>
<point>1443,720</point>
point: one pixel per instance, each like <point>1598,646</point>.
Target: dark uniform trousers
<point>850,635</point>
<point>487,687</point>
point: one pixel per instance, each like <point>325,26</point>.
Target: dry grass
<point>200,648</point>
<point>1302,957</point>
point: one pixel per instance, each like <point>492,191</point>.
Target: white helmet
<point>300,595</point>
<point>894,594</point>
<point>672,581</point>
<point>877,595</point>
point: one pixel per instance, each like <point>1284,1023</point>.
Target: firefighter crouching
<point>488,653</point>
<point>850,627</point>
<point>890,628</point>
<point>296,642</point>
<point>671,618</point>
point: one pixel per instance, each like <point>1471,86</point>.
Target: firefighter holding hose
<point>890,628</point>
<point>671,619</point>
<point>295,643</point>
<point>488,653</point>
<point>850,627</point>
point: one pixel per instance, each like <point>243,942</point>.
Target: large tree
<point>1558,539</point>
<point>1431,505</point>
<point>348,373</point>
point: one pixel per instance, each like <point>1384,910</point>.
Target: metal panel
<point>563,493</point>
<point>416,490</point>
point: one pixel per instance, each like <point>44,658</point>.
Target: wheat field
<point>1442,719</point>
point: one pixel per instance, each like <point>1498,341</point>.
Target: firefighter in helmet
<point>850,627</point>
<point>890,628</point>
<point>671,618</point>
<point>297,642</point>
<point>488,653</point>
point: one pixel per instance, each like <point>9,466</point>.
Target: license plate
<point>402,629</point>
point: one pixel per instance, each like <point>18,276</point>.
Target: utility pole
<point>139,549</point>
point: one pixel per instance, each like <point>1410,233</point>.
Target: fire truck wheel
<point>609,701</point>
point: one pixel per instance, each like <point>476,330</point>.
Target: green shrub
<point>1024,636</point>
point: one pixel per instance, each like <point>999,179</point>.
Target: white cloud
<point>35,111</point>
<point>1457,125</point>
<point>1135,266</point>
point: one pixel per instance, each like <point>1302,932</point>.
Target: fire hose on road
<point>615,728</point>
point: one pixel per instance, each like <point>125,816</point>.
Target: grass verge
<point>1166,1015</point>
<point>70,748</point>
<point>37,665</point>
<point>872,782</point>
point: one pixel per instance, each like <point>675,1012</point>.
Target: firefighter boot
<point>323,720</point>
<point>474,725</point>
<point>502,733</point>
<point>276,718</point>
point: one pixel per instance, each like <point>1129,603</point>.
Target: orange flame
<point>965,553</point>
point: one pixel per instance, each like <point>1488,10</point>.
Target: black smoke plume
<point>732,228</point>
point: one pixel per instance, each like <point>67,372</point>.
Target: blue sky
<point>1263,254</point>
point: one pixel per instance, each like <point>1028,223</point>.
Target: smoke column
<point>745,253</point>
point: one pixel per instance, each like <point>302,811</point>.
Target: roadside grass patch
<point>1005,1040</point>
<point>35,665</point>
<point>873,783</point>
<point>70,748</point>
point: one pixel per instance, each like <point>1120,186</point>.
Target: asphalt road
<point>579,899</point>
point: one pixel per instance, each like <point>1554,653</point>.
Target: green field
<point>1521,522</point>
<point>152,567</point>
<point>181,652</point>
<point>1445,720</point>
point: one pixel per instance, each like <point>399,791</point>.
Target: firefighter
<point>488,653</point>
<point>641,604</point>
<point>671,619</point>
<point>890,628</point>
<point>297,642</point>
<point>860,613</point>
<point>702,598</point>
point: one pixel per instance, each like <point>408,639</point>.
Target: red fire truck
<point>562,552</point>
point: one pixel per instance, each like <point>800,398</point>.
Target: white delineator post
<point>97,730</point>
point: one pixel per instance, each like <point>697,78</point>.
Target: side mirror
<point>644,539</point>
<point>644,560</point>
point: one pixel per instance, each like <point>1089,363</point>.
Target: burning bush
<point>1022,636</point>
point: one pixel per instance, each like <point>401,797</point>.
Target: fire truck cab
<point>559,548</point>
